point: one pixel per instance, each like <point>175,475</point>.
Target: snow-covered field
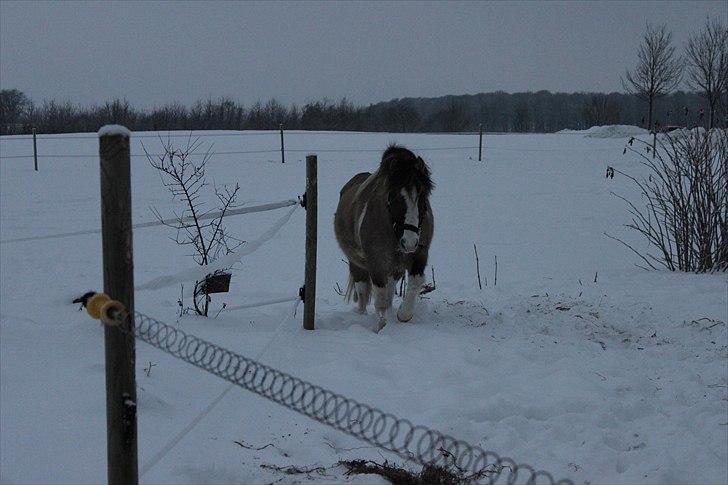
<point>620,377</point>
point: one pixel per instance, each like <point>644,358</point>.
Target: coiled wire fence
<point>369,424</point>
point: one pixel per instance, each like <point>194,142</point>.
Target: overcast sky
<point>157,52</point>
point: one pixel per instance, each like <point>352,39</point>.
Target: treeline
<point>540,111</point>
<point>547,112</point>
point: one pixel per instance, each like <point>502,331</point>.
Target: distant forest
<point>540,112</point>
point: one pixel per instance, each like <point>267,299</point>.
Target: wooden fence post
<point>35,151</point>
<point>480,144</point>
<point>121,416</point>
<point>309,304</point>
<point>283,152</point>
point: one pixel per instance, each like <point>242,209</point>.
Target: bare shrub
<point>185,179</point>
<point>685,197</point>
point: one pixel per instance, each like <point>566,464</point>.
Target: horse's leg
<point>406,308</point>
<point>362,287</point>
<point>415,280</point>
<point>383,294</point>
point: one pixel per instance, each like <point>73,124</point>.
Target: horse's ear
<point>422,166</point>
<point>425,172</point>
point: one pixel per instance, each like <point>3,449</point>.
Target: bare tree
<point>658,70</point>
<point>723,97</point>
<point>599,110</point>
<point>185,179</point>
<point>13,105</point>
<point>707,64</point>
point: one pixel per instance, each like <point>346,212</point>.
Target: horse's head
<point>408,192</point>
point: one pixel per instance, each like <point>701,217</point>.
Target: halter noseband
<point>406,227</point>
<point>410,227</point>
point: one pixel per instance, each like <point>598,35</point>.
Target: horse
<point>384,225</point>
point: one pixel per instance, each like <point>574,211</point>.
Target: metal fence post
<point>116,230</point>
<point>309,304</point>
<point>283,152</point>
<point>35,151</point>
<point>480,144</point>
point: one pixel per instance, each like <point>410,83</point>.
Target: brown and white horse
<point>384,225</point>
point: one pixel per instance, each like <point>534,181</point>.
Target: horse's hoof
<point>361,311</point>
<point>403,316</point>
<point>380,325</point>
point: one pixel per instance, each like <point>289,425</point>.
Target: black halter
<point>410,227</point>
<point>406,227</point>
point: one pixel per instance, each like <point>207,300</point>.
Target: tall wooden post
<point>480,144</point>
<point>283,152</point>
<point>309,304</point>
<point>35,151</point>
<point>121,416</point>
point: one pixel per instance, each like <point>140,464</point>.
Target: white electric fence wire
<point>187,429</point>
<point>216,214</point>
<point>211,215</point>
<point>274,301</point>
<point>198,273</point>
<point>51,236</point>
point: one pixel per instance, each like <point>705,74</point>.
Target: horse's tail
<point>350,290</point>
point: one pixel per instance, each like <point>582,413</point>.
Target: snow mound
<point>692,132</point>
<point>609,131</point>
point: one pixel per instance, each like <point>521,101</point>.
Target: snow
<point>608,131</point>
<point>577,362</point>
<point>113,130</point>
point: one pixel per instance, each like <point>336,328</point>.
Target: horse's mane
<point>403,169</point>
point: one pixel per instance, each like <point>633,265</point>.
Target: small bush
<point>683,211</point>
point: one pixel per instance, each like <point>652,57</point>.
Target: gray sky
<point>157,52</point>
